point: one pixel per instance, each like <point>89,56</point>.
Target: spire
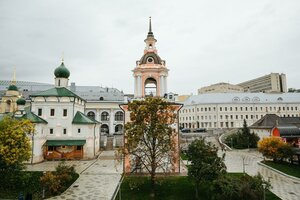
<point>62,58</point>
<point>150,33</point>
<point>13,81</point>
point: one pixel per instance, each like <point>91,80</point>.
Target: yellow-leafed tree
<point>14,144</point>
<point>274,148</point>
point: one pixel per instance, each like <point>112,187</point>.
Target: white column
<point>139,86</point>
<point>165,85</point>
<point>111,122</point>
<point>161,87</point>
<point>135,85</point>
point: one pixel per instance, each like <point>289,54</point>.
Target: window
<point>50,148</point>
<point>104,116</point>
<point>52,112</point>
<point>65,131</point>
<point>40,112</point>
<point>119,116</point>
<point>78,130</point>
<point>220,108</point>
<point>51,131</point>
<point>91,115</point>
<point>78,148</point>
<point>65,112</point>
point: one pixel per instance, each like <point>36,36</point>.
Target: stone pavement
<point>284,187</point>
<point>98,178</point>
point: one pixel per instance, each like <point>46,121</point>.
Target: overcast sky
<point>203,42</point>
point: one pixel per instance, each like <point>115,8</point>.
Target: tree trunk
<point>152,185</point>
<point>197,190</point>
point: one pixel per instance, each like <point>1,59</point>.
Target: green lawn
<point>293,170</point>
<point>168,188</point>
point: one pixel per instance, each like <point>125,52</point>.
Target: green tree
<point>205,165</point>
<point>150,137</point>
<point>14,144</point>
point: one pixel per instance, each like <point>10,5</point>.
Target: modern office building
<point>271,83</point>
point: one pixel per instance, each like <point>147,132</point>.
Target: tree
<point>149,139</point>
<point>14,144</point>
<point>274,148</point>
<point>205,165</point>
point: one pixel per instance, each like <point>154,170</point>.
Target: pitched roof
<point>271,120</point>
<point>56,92</point>
<point>81,118</point>
<point>288,131</point>
<point>33,118</point>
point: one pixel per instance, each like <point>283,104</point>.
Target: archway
<point>8,105</point>
<point>104,129</point>
<point>119,128</point>
<point>150,87</point>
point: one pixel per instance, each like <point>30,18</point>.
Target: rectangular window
<point>65,112</point>
<point>50,148</point>
<point>40,112</point>
<point>220,108</point>
<point>51,131</point>
<point>79,130</point>
<point>52,112</point>
<point>78,148</point>
<point>65,131</point>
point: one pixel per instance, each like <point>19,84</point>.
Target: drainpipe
<point>94,138</point>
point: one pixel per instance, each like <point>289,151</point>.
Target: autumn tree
<point>149,139</point>
<point>274,148</point>
<point>205,165</point>
<point>14,144</point>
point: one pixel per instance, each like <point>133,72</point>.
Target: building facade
<point>220,88</point>
<point>228,110</point>
<point>271,83</point>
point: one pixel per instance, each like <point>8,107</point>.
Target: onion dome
<point>62,71</point>
<point>12,87</point>
<point>21,101</point>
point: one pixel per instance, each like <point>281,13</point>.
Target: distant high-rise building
<point>271,83</point>
<point>220,88</point>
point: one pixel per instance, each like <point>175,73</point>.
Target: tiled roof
<point>81,118</point>
<point>271,120</point>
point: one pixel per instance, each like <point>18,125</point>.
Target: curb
<point>279,172</point>
<point>220,141</point>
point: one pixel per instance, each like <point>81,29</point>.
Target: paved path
<point>284,187</point>
<point>98,178</point>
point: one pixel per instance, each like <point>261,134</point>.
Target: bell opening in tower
<point>150,87</point>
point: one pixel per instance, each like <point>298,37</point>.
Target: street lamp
<point>264,187</point>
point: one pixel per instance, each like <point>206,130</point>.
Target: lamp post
<point>264,187</point>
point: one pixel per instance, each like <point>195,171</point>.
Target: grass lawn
<point>293,170</point>
<point>168,188</point>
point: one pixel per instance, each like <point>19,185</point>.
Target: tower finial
<point>13,82</point>
<point>62,58</point>
<point>150,26</point>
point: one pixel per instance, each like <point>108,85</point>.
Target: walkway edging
<point>280,172</point>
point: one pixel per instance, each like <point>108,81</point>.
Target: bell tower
<point>150,73</point>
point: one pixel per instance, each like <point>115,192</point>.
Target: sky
<point>203,42</point>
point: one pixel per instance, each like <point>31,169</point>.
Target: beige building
<point>273,82</point>
<point>228,110</point>
<point>220,88</point>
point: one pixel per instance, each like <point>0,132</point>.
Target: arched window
<point>119,128</point>
<point>119,116</point>
<point>150,87</point>
<point>8,105</point>
<point>104,116</point>
<point>104,128</point>
<point>91,115</point>
<point>101,98</point>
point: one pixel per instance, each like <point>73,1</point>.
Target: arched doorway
<point>119,129</point>
<point>150,87</point>
<point>8,105</point>
<point>104,129</point>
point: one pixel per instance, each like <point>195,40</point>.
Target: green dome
<point>62,71</point>
<point>12,87</point>
<point>21,101</point>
